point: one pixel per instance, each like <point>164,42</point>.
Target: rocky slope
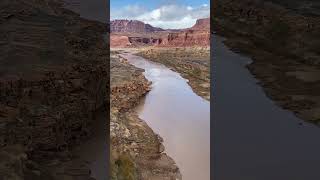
<point>53,79</point>
<point>136,151</point>
<point>284,47</point>
<point>132,26</point>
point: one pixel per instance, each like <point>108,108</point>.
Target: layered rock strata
<point>53,78</point>
<point>135,36</point>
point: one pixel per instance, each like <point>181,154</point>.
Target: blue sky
<point>171,14</point>
<point>116,4</point>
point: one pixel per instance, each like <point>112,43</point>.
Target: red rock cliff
<point>197,35</point>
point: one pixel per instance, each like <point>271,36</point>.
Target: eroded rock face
<point>53,77</point>
<point>132,26</point>
<point>187,38</point>
<point>198,35</point>
<point>144,41</point>
<point>202,25</point>
<point>132,41</point>
<point>128,84</point>
<point>119,41</point>
<point>52,113</point>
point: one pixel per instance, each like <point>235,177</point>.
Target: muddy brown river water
<point>179,116</point>
<point>254,139</point>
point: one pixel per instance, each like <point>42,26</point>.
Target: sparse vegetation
<point>126,168</point>
<point>123,168</point>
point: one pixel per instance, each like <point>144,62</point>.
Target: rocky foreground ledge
<point>53,79</point>
<point>136,151</point>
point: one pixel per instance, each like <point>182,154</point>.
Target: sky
<point>167,14</point>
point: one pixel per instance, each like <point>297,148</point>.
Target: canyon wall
<point>132,26</point>
<point>202,25</point>
<point>187,38</point>
<point>198,35</point>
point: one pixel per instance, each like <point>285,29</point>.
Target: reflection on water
<point>254,139</point>
<point>179,116</point>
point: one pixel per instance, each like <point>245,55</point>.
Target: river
<point>179,116</point>
<point>254,139</point>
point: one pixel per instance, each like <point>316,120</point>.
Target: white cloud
<point>172,16</point>
<point>128,11</point>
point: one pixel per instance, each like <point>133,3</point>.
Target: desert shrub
<point>196,72</point>
<point>126,168</point>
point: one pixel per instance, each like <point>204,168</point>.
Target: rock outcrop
<point>119,41</point>
<point>202,25</point>
<point>134,35</point>
<point>132,26</point>
<point>186,38</point>
<point>53,78</point>
<point>132,41</point>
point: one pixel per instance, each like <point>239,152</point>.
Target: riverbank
<point>252,131</point>
<point>192,63</point>
<point>175,112</point>
<point>282,45</point>
<point>136,151</point>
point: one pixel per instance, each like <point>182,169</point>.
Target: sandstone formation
<point>186,38</point>
<point>202,25</point>
<point>198,35</point>
<point>284,45</point>
<point>124,40</point>
<point>120,41</point>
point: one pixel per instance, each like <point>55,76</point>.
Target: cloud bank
<point>170,16</point>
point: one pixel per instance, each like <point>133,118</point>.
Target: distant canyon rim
<point>134,33</point>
